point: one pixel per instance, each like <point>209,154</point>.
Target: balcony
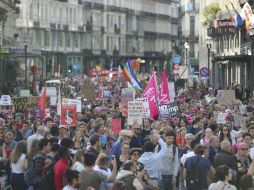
<point>52,26</point>
<point>104,52</point>
<point>66,27</point>
<point>36,24</point>
<point>80,28</point>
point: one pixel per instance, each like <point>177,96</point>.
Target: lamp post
<point>25,46</point>
<point>209,46</point>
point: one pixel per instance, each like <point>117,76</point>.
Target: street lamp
<point>25,46</point>
<point>209,46</point>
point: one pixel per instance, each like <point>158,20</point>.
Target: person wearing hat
<point>124,136</point>
<point>63,130</point>
<point>135,154</point>
<point>137,141</point>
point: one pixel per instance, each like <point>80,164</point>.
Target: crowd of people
<point>188,151</point>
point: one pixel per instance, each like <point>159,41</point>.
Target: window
<point>119,44</point>
<point>192,25</point>
<point>54,38</point>
<point>46,38</point>
<point>38,37</point>
<point>75,40</point>
<point>60,39</point>
<point>68,39</point>
<point>107,42</point>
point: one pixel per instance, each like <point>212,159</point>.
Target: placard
<point>238,119</point>
<point>69,115</point>
<point>146,108</point>
<point>221,118</point>
<point>89,90</point>
<point>226,97</point>
<point>73,102</point>
<point>53,100</point>
<point>169,110</point>
<point>127,94</point>
<point>24,93</point>
<point>51,91</point>
<point>106,93</point>
<point>116,125</point>
<point>135,113</point>
<point>5,100</point>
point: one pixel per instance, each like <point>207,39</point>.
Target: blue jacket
<point>115,150</point>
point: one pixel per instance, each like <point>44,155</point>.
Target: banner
<point>150,92</point>
<point>169,110</point>
<point>146,109</point>
<point>5,100</point>
<point>69,115</point>
<point>127,94</point>
<point>135,113</point>
<point>73,102</point>
<point>116,125</point>
<point>21,104</point>
<point>164,97</point>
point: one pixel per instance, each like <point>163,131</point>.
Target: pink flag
<point>150,92</point>
<point>164,92</point>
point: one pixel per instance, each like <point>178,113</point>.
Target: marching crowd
<point>188,151</point>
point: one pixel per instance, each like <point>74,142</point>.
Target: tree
<point>210,13</point>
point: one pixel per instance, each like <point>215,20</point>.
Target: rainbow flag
<point>130,77</point>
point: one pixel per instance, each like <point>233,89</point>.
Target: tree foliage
<point>210,13</point>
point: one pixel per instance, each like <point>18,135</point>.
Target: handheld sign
<point>169,110</point>
<point>5,100</point>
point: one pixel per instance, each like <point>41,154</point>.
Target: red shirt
<point>59,169</point>
<point>180,141</point>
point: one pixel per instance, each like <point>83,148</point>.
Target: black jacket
<point>225,158</point>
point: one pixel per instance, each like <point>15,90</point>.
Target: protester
<point>72,178</point>
<point>78,161</point>
<point>223,176</point>
<point>60,167</point>
<point>18,166</point>
<point>124,154</point>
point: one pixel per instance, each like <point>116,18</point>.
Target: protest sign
<point>106,93</point>
<point>116,125</point>
<point>168,110</point>
<point>5,100</point>
<point>238,119</point>
<point>127,94</point>
<point>135,113</point>
<point>73,102</point>
<point>146,108</point>
<point>24,93</point>
<point>53,100</point>
<point>89,90</point>
<point>226,97</point>
<point>208,99</point>
<point>69,115</point>
<point>221,118</point>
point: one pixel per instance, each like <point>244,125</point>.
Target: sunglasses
<point>135,154</point>
<point>225,129</point>
<point>244,149</point>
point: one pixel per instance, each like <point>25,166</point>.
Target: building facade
<point>189,31</point>
<point>77,35</point>
<point>231,49</point>
<point>8,14</point>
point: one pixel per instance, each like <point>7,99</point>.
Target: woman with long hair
<point>225,134</point>
<point>18,166</point>
<point>79,140</point>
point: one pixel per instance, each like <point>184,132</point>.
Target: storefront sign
<point>225,23</point>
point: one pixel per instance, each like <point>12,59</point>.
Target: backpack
<point>193,177</point>
<point>174,150</point>
<point>47,181</point>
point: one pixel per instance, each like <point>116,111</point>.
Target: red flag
<point>164,92</point>
<point>42,103</point>
<point>150,92</point>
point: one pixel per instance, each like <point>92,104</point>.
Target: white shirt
<point>67,187</point>
<point>31,138</point>
<point>186,156</point>
<point>16,168</point>
<point>78,167</point>
<point>152,160</point>
<point>107,173</point>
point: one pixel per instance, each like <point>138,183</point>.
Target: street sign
<point>176,59</point>
<point>204,72</point>
<point>184,72</point>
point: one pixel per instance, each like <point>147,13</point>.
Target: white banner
<point>73,102</point>
<point>146,108</point>
<point>135,113</point>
